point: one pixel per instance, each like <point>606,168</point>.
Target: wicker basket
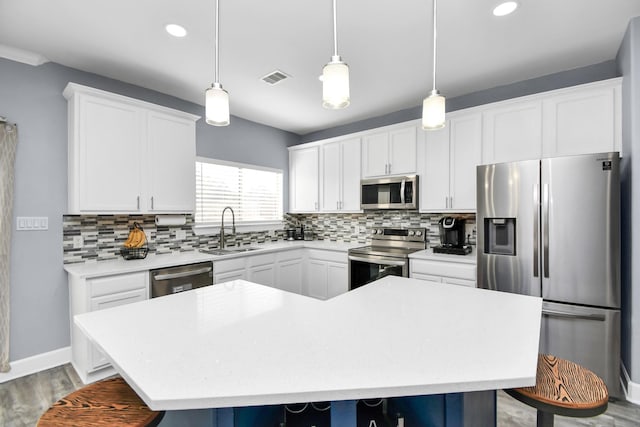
<point>134,253</point>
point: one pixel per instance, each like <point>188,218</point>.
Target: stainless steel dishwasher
<point>171,280</point>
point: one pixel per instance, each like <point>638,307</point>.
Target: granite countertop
<point>430,256</point>
<point>120,265</point>
<point>243,344</point>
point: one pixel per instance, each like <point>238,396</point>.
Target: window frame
<point>241,227</point>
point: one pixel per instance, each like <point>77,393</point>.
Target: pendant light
<point>433,106</point>
<point>216,98</point>
<point>335,76</point>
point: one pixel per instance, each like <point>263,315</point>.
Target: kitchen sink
<point>226,251</point>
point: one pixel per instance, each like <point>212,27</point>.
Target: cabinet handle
<point>389,169</point>
<point>337,205</point>
<point>138,203</point>
<point>451,202</point>
<point>341,205</point>
<point>446,202</point>
<point>315,205</point>
<point>151,202</point>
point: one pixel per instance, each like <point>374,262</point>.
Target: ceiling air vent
<point>275,77</point>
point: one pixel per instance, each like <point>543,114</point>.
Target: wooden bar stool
<point>110,402</point>
<point>563,388</point>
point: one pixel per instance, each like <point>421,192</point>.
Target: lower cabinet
<point>327,274</point>
<point>94,294</point>
<point>449,272</point>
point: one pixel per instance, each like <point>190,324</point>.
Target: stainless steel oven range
<point>388,255</point>
<point>171,280</point>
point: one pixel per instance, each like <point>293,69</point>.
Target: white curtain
<point>8,143</point>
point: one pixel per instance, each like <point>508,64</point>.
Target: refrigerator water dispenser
<point>500,236</point>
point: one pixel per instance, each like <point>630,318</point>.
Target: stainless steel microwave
<point>397,192</point>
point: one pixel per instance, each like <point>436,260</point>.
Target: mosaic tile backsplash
<point>104,235</point>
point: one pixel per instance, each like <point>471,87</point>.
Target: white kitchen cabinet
<point>449,159</point>
<point>340,176</point>
<point>128,156</point>
<point>94,294</point>
<point>261,269</point>
<point>303,179</point>
<point>289,271</point>
<point>326,274</point>
<point>512,132</point>
<point>582,120</point>
<point>389,151</point>
<point>229,269</point>
<point>445,271</point>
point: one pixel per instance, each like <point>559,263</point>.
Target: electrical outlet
<point>181,234</point>
<point>78,242</point>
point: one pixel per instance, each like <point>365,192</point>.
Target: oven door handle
<point>377,261</point>
<point>182,274</point>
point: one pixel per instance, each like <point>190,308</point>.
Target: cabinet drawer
<point>427,277</point>
<point>289,255</point>
<point>461,282</point>
<point>263,259</point>
<point>115,284</point>
<point>449,269</point>
<point>229,265</point>
<point>332,256</point>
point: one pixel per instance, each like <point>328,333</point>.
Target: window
<point>254,192</point>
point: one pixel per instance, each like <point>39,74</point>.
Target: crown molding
<point>21,55</point>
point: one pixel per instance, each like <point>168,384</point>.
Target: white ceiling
<point>387,44</point>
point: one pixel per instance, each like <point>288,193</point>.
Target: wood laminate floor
<point>23,400</point>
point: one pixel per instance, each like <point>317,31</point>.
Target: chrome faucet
<point>233,226</point>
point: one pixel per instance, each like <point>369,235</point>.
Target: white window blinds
<point>254,193</point>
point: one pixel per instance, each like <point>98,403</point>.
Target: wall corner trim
<point>37,363</point>
<point>631,389</point>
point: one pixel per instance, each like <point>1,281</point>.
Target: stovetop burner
<point>452,250</point>
<point>393,242</point>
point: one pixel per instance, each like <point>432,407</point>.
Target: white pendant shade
<point>335,84</point>
<point>433,111</point>
<point>217,105</point>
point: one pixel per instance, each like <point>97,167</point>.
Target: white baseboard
<point>632,390</point>
<point>37,363</point>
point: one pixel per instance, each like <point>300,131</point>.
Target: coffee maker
<point>452,236</point>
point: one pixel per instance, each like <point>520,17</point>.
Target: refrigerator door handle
<point>545,230</point>
<point>536,229</point>
<point>554,313</point>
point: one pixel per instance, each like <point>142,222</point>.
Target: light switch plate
<point>181,234</point>
<point>32,223</point>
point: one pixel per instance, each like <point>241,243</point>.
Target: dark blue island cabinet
<point>475,409</point>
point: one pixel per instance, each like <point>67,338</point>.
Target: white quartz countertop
<point>430,256</point>
<point>242,344</point>
<point>120,265</point>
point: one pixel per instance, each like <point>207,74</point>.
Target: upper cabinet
<point>340,176</point>
<point>389,152</point>
<point>448,159</point>
<point>303,179</point>
<point>128,156</point>
<point>577,120</point>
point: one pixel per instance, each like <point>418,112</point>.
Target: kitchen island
<point>240,344</point>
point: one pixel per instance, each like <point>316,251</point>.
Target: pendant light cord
<point>335,32</point>
<point>434,43</point>
<point>216,66</point>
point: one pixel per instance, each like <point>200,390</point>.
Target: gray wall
<point>591,73</point>
<point>32,98</point>
<point>629,64</point>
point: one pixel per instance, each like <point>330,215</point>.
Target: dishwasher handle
<point>195,272</point>
<point>563,314</point>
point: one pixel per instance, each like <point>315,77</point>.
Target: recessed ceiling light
<point>176,30</point>
<point>505,8</point>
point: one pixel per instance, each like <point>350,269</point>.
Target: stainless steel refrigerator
<point>551,228</point>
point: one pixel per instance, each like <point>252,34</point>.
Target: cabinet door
<point>465,145</point>
<point>402,151</point>
<point>317,279</point>
<point>172,157</point>
<point>580,123</point>
<point>110,154</point>
<point>512,132</point>
<point>229,276</point>
<point>97,358</point>
<point>289,276</point>
<point>337,279</point>
<point>461,282</point>
<point>330,177</point>
<point>264,275</point>
<point>434,185</point>
<point>350,168</point>
<point>375,154</point>
<point>303,180</point>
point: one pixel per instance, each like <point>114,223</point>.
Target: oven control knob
<point>418,233</point>
<point>411,232</point>
<point>378,231</point>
